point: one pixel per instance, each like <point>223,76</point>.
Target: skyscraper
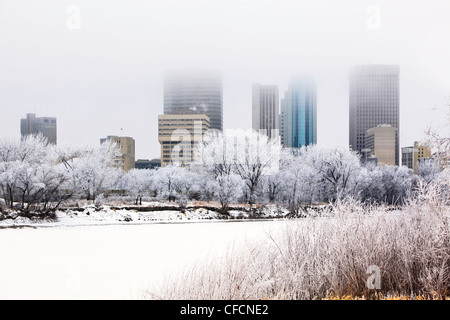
<point>265,109</point>
<point>298,117</point>
<point>195,91</point>
<point>374,100</point>
<point>32,125</point>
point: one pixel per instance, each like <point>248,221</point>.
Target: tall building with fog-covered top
<point>298,116</point>
<point>195,91</point>
<point>265,109</point>
<point>374,99</point>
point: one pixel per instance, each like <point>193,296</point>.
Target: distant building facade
<point>127,149</point>
<point>195,91</point>
<point>298,117</point>
<point>179,134</point>
<point>380,142</point>
<point>374,99</point>
<point>32,125</point>
<point>413,155</point>
<point>147,164</point>
<point>265,109</point>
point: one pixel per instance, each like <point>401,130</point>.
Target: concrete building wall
<point>179,135</point>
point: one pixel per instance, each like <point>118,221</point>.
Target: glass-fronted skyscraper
<point>298,117</point>
<point>374,100</point>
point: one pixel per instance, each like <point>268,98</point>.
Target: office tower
<point>298,117</point>
<point>195,91</point>
<point>380,142</point>
<point>32,125</point>
<point>265,109</point>
<point>373,100</point>
<point>412,156</point>
<point>178,134</point>
<point>127,149</point>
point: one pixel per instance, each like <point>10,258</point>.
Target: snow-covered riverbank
<point>145,214</point>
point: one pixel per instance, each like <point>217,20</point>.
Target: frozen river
<point>113,261</point>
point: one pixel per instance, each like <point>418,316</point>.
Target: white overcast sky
<point>108,73</point>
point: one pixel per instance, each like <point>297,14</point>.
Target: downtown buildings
<point>296,123</point>
<point>193,104</point>
<point>374,100</point>
<point>412,156</point>
<point>32,125</point>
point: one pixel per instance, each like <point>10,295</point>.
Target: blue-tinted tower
<point>298,118</point>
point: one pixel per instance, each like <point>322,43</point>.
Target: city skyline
<point>106,73</point>
<point>120,131</point>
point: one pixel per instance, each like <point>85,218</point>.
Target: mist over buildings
<point>99,66</point>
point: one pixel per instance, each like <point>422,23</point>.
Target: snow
<point>110,261</point>
<point>107,215</point>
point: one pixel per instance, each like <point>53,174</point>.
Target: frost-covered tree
<point>249,154</point>
<point>30,175</point>
<point>438,138</point>
<point>385,184</point>
<point>176,183</point>
<point>138,183</point>
<point>17,158</point>
<point>428,170</point>
<point>226,189</point>
<point>92,168</point>
<point>337,169</point>
<point>215,155</point>
<point>257,156</point>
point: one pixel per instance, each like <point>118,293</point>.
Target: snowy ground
<point>111,261</point>
<point>107,214</point>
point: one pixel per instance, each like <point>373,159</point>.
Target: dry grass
<point>329,257</point>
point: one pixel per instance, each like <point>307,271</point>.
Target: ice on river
<point>111,261</point>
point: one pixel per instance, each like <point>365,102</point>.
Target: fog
<point>98,66</point>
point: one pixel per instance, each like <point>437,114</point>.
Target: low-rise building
<point>127,149</point>
<point>179,134</point>
<point>380,142</point>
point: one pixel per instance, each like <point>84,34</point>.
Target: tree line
<point>229,168</point>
